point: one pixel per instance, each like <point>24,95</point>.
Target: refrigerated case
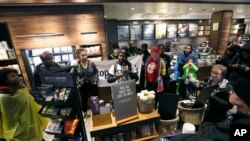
<point>62,55</point>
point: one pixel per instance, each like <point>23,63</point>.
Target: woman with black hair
<point>19,118</point>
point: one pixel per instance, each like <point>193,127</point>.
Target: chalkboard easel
<point>125,103</point>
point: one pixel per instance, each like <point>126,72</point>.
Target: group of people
<point>227,75</point>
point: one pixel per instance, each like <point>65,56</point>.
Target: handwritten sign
<point>124,99</point>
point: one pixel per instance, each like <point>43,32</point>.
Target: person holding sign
<point>87,76</point>
<point>155,70</point>
<point>122,70</point>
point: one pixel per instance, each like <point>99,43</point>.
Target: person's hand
<point>190,63</point>
<point>197,85</point>
<point>236,66</point>
<point>125,69</point>
<point>118,75</point>
<point>243,66</point>
<point>78,85</point>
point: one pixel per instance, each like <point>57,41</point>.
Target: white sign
<point>104,66</point>
<point>215,26</point>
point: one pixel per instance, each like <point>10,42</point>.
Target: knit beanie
<point>242,89</point>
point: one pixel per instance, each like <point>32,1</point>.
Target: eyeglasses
<point>216,74</point>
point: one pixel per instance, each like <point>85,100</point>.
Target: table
<point>111,126</point>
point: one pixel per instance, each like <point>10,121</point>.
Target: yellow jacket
<point>19,118</point>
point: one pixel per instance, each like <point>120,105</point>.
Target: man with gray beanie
<point>239,97</point>
<point>47,65</point>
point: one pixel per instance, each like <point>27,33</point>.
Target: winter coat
<point>218,104</point>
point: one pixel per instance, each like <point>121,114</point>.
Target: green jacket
<point>190,71</point>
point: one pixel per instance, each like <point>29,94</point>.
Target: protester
<point>189,78</point>
<point>166,60</point>
<point>87,77</point>
<point>19,118</point>
<point>122,70</point>
<point>218,103</point>
<point>240,98</point>
<point>184,56</point>
<point>145,55</point>
<point>241,65</point>
<point>47,65</point>
<point>155,70</point>
<point>114,54</point>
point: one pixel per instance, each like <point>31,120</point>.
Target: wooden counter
<point>112,127</point>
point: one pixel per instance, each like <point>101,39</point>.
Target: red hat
<point>155,50</point>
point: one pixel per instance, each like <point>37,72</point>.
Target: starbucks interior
<point>69,54</point>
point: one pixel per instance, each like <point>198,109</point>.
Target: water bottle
<point>94,104</point>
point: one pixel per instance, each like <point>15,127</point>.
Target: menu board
<point>135,32</point>
<point>148,31</point>
<point>124,99</point>
<point>171,30</point>
<point>192,30</point>
<point>123,32</point>
<point>160,31</point>
<point>182,30</point>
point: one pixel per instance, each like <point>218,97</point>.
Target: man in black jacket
<point>47,65</point>
<point>166,60</point>
<point>240,98</point>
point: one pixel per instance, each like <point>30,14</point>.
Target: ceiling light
<point>190,8</point>
<point>213,9</point>
<point>132,8</point>
<point>105,16</point>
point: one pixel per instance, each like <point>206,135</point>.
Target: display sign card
<point>124,99</point>
<point>135,32</point>
<point>161,31</point>
<point>57,79</point>
<point>182,30</point>
<point>148,31</point>
<point>123,32</point>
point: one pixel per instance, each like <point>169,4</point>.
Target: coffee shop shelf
<point>152,136</point>
<point>109,125</point>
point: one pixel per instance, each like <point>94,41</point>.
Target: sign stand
<point>125,103</point>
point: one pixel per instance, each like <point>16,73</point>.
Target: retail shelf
<point>70,116</point>
<point>7,62</point>
<point>97,55</point>
<point>153,136</point>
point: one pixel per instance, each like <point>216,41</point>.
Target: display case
<point>60,101</point>
<point>7,53</point>
<point>204,30</point>
<point>31,57</point>
<point>94,51</point>
<point>238,27</point>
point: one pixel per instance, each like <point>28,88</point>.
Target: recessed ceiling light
<point>213,9</point>
<point>105,16</point>
<point>132,8</point>
<point>190,8</point>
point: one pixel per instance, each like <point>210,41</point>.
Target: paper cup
<point>188,128</point>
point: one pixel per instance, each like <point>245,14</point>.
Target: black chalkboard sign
<point>57,79</point>
<point>124,99</point>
